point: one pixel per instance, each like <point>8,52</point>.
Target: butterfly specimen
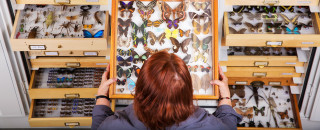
<point>241,31</point>
<point>156,23</point>
<point>137,40</point>
<point>239,9</point>
<point>201,5</point>
<point>257,110</point>
<point>124,62</point>
<point>139,58</point>
<point>238,90</point>
<point>266,52</point>
<point>126,8</point>
<point>294,20</point>
<point>204,16</point>
<point>136,70</point>
<point>253,16</point>
<point>295,30</point>
<point>124,42</point>
<point>187,58</point>
<point>173,33</point>
<point>257,8</point>
<point>205,82</point>
<point>204,44</point>
<point>254,28</point>
<point>307,26</point>
<point>291,51</point>
<point>271,9</point>
<point>137,28</point>
<point>274,27</point>
<point>125,53</point>
<point>193,68</point>
<point>87,26</point>
<point>124,23</point>
<point>289,8</point>
<point>233,102</point>
<point>156,50</point>
<point>243,103</point>
<point>260,125</point>
<point>200,56</point>
<point>205,28</point>
<point>247,113</point>
<point>87,34</point>
<point>154,38</point>
<point>236,22</point>
<point>146,11</point>
<point>306,14</point>
<point>184,33</point>
<point>172,23</point>
<point>269,17</point>
<point>72,17</point>
<point>180,11</point>
<point>121,82</point>
<point>131,85</point>
<point>196,84</point>
<point>177,45</point>
<point>123,31</point>
<point>205,69</point>
<point>284,114</point>
<point>121,72</point>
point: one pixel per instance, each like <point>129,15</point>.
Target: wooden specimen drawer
<point>64,2</point>
<point>60,28</point>
<point>267,81</point>
<point>69,53</point>
<point>308,39</point>
<point>73,62</point>
<point>53,83</point>
<point>273,2</point>
<point>262,61</point>
<point>261,72</point>
<point>48,113</point>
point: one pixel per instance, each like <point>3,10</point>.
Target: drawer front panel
<point>261,72</point>
<point>64,2</point>
<point>272,2</point>
<point>69,53</point>
<point>262,61</point>
<point>267,81</point>
<point>74,62</point>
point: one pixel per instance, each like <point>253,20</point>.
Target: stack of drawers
<point>67,67</point>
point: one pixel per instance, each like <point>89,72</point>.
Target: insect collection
<point>270,20</point>
<point>263,106</point>
<point>45,108</point>
<point>182,28</point>
<point>262,51</point>
<point>50,21</point>
<point>69,78</point>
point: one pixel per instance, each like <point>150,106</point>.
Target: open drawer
<point>271,107</point>
<point>264,29</point>
<point>273,2</point>
<point>73,62</point>
<point>64,2</point>
<point>267,81</point>
<point>53,83</point>
<point>262,56</point>
<point>60,28</point>
<point>271,72</point>
<point>69,53</point>
<point>61,112</point>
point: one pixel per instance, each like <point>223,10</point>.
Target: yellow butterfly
<point>200,56</point>
<point>173,33</point>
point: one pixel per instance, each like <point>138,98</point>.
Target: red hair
<point>163,93</point>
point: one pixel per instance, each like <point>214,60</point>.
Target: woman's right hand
<point>223,88</point>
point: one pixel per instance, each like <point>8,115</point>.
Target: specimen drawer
<point>55,83</point>
<point>60,28</point>
<point>267,81</point>
<point>239,33</point>
<point>73,62</point>
<point>261,72</point>
<point>61,112</point>
<point>262,61</point>
<point>64,2</point>
<point>264,106</point>
<point>273,2</point>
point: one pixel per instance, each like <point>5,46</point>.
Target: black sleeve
<point>99,114</point>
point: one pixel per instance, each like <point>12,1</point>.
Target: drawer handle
<point>274,44</point>
<point>261,64</point>
<point>72,124</point>
<point>73,64</point>
<point>62,2</point>
<point>241,82</point>
<point>259,74</point>
<point>270,2</point>
<point>274,83</point>
<point>73,95</point>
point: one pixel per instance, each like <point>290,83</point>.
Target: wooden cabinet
<point>275,72</point>
<point>73,62</point>
<point>267,81</point>
<point>262,61</point>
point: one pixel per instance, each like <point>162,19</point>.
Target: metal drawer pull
<point>241,82</point>
<point>270,2</point>
<point>274,44</point>
<point>72,124</point>
<point>73,64</point>
<point>261,64</point>
<point>259,74</point>
<point>73,95</point>
<point>62,2</point>
<point>274,83</point>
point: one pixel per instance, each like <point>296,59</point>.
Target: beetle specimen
<point>33,33</point>
<point>65,26</point>
<point>96,17</point>
<point>76,27</point>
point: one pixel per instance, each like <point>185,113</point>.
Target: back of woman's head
<point>164,93</point>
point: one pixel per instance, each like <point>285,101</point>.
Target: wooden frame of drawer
<point>114,30</point>
<point>69,53</point>
<point>56,121</point>
<point>54,93</point>
<point>73,62</point>
<point>72,2</point>
<point>60,44</point>
<point>269,71</point>
<point>259,40</point>
<point>273,2</point>
<point>267,81</point>
<point>268,60</point>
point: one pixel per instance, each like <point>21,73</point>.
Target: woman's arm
<point>102,108</point>
<point>223,89</point>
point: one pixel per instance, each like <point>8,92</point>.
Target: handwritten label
<point>37,47</point>
<point>90,53</point>
<point>274,43</point>
<point>303,2</point>
<point>286,73</point>
<point>291,63</point>
<point>307,42</point>
<point>52,53</point>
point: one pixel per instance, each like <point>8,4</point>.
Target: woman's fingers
<point>217,82</point>
<point>110,81</point>
<point>108,71</point>
<point>221,74</point>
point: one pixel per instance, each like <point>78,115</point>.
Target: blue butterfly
<point>131,84</point>
<point>294,31</point>
<point>87,34</point>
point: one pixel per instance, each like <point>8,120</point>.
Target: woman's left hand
<point>105,82</point>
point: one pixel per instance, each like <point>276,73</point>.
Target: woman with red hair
<point>164,100</point>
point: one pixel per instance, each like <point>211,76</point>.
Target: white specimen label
<point>286,73</point>
<point>37,47</point>
<point>274,43</point>
<point>52,53</point>
<point>90,53</point>
<point>307,42</point>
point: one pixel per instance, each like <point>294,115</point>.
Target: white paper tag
<point>291,63</point>
<point>286,73</point>
<point>307,42</point>
<point>92,0</point>
<point>274,83</point>
<point>101,63</point>
<point>52,53</point>
<point>90,53</point>
<point>303,2</point>
<point>241,82</point>
<point>37,47</point>
<point>274,43</point>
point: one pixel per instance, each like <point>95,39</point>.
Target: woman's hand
<point>223,88</point>
<point>104,87</point>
